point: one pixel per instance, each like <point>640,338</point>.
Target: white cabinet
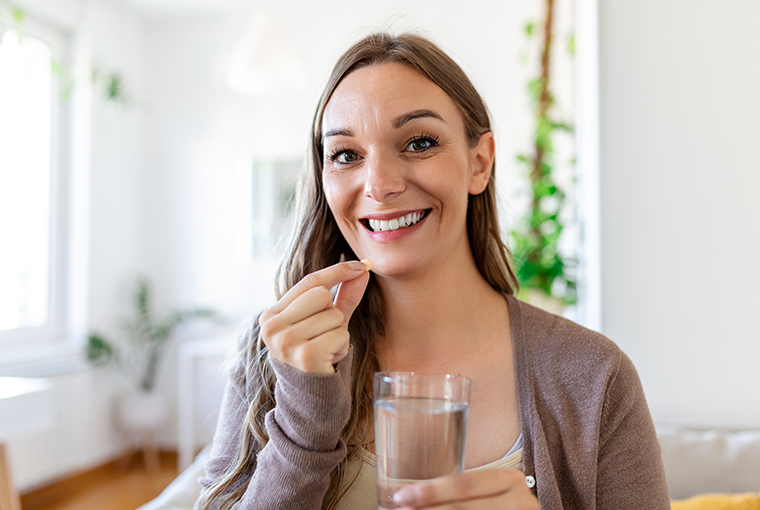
<point>202,378</point>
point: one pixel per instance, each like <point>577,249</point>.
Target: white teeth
<point>396,223</point>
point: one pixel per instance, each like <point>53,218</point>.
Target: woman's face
<point>398,169</point>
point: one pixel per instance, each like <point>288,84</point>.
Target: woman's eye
<point>348,157</point>
<point>344,156</point>
<point>421,144</point>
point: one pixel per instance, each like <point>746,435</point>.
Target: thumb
<point>350,294</point>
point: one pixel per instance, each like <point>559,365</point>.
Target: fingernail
<point>367,263</point>
<point>405,496</point>
<point>357,265</point>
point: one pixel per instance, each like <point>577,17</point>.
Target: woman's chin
<point>396,268</point>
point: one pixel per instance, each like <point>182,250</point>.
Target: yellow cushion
<point>748,501</point>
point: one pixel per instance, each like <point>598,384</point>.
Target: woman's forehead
<point>381,93</point>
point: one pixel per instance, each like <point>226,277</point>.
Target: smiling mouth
<point>396,223</point>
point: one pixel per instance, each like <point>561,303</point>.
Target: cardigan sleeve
<point>293,469</point>
<point>630,472</point>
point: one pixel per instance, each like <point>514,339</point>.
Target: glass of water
<point>420,428</point>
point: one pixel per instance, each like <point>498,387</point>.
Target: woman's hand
<point>305,328</point>
<point>475,490</point>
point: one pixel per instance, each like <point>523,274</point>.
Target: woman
<point>402,174</point>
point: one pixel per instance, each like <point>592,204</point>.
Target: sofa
<point>706,469</point>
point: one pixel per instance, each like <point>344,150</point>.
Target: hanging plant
<point>110,85</point>
<point>540,265</point>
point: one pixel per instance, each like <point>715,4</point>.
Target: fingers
<point>471,490</point>
<point>317,356</point>
<point>310,328</point>
<point>328,278</point>
<point>305,328</point>
<point>350,295</point>
<point>505,501</point>
<point>312,344</point>
<point>455,487</point>
<point>302,307</point>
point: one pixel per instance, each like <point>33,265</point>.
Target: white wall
<point>118,173</point>
<point>680,172</point>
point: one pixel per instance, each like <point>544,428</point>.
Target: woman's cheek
<point>336,203</point>
<point>340,191</point>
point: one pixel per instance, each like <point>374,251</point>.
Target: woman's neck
<point>428,316</point>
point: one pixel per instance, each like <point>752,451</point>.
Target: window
<point>32,176</point>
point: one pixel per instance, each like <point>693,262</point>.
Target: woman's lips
<point>393,221</point>
<point>391,229</point>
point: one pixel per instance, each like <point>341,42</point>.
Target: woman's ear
<point>482,163</point>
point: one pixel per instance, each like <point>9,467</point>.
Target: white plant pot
<point>142,411</point>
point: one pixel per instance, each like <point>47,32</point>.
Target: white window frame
<point>588,164</point>
<point>31,339</point>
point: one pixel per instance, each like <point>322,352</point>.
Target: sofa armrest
<point>706,461</point>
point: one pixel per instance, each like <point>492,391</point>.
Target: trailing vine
<point>110,84</point>
<point>540,265</point>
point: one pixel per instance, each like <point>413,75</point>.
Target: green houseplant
<point>146,338</point>
<point>545,274</point>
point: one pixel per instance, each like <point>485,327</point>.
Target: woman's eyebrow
<point>337,132</point>
<point>416,114</point>
<point>397,122</point>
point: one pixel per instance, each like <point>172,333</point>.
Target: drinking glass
<point>420,428</point>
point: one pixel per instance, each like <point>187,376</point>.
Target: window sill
<point>43,359</point>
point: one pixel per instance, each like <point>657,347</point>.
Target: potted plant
<point>139,356</point>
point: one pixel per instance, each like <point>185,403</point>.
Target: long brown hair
<point>318,243</point>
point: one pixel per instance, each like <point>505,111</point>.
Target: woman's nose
<point>384,178</point>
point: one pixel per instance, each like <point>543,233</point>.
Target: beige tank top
<point>362,495</point>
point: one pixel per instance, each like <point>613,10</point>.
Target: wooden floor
<point>109,487</point>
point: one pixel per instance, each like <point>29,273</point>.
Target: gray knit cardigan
<point>588,438</point>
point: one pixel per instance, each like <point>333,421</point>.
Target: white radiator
<point>83,435</point>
